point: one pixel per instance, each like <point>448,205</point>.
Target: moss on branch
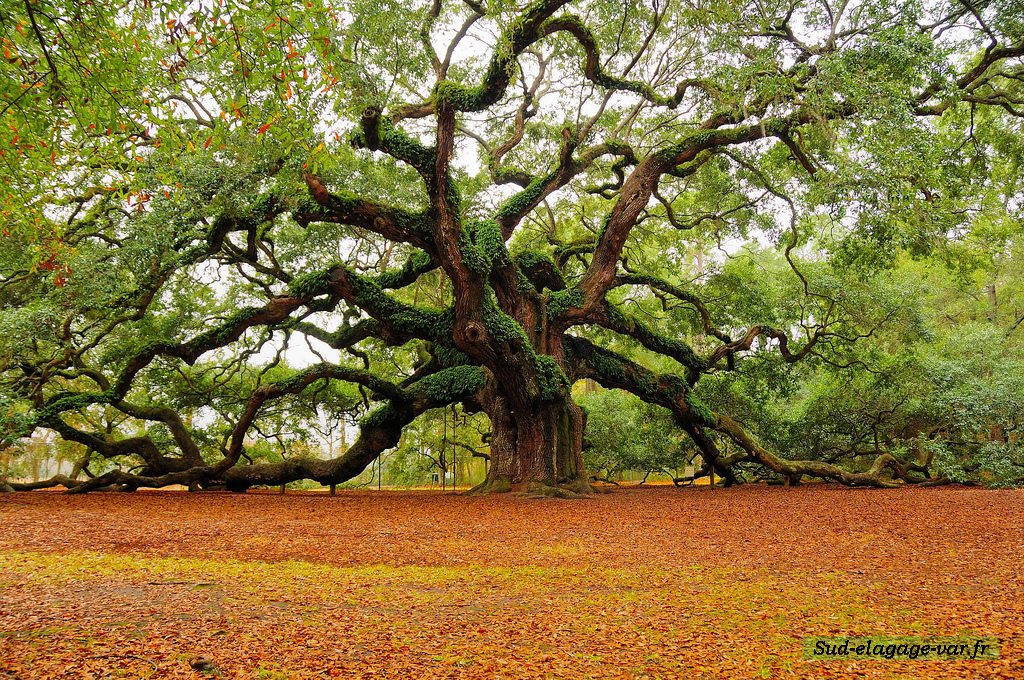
<point>699,409</point>
<point>452,383</point>
<point>551,378</point>
<point>489,239</point>
<point>519,35</point>
<point>311,284</point>
<point>384,416</point>
<point>74,402</point>
<point>519,204</point>
<point>226,331</point>
<point>418,263</point>
<point>677,349</point>
<point>532,259</point>
<point>562,301</point>
<point>380,133</point>
<point>501,326</point>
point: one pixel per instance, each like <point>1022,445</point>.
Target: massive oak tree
<point>473,203</point>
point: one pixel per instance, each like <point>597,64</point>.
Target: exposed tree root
<point>489,486</point>
<point>578,488</point>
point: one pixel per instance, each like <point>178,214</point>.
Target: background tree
<point>624,434</point>
<point>480,211</point>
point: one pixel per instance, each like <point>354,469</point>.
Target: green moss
<point>448,356</point>
<point>390,279</point>
<point>417,263</point>
<point>294,382</point>
<point>563,300</point>
<point>673,386</point>
<point>369,295</point>
<point>444,386</point>
<point>501,326</point>
<point>718,137</point>
<point>691,141</point>
<point>617,318</point>
<point>552,380</point>
<point>654,341</point>
<point>71,401</point>
<point>306,204</point>
<point>502,67</point>
<point>220,226</point>
<point>533,259</point>
<point>222,333</point>
<point>155,347</point>
<point>607,365</point>
<point>645,382</point>
<point>704,414</point>
<point>523,284</point>
<point>453,195</point>
<point>453,382</point>
<point>604,227</point>
<point>383,416</point>
<point>418,260</point>
<point>457,96</point>
<point>309,285</point>
<point>397,143</point>
<point>345,202</point>
<point>683,353</point>
<point>519,204</point>
<point>472,255</point>
<point>490,241</point>
<point>412,222</point>
<point>602,77</point>
<point>406,318</point>
<point>417,322</point>
<point>499,72</point>
<point>565,252</point>
<point>341,205</point>
<point>482,246</point>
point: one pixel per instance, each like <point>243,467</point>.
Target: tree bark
<point>538,450</point>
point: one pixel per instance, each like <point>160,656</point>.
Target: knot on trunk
<point>371,127</point>
<point>317,188</point>
<point>474,331</point>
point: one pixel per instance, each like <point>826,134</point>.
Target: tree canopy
<point>793,226</point>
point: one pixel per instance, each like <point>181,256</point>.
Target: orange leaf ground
<point>656,583</point>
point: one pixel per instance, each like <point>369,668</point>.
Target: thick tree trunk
<point>537,451</point>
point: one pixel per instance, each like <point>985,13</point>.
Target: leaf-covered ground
<point>656,583</point>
